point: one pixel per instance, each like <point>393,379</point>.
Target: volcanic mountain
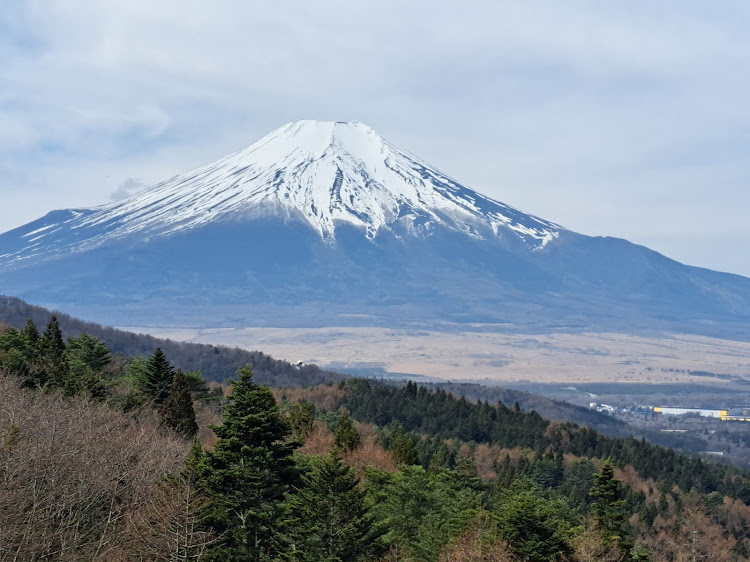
<point>326,223</point>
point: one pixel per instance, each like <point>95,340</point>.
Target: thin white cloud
<point>126,189</point>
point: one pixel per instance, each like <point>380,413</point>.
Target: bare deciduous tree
<point>168,527</point>
<point>70,470</point>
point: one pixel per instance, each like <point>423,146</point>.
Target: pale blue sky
<point>626,119</point>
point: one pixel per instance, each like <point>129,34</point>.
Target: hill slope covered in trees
<point>96,464</point>
<point>84,481</point>
<point>216,363</point>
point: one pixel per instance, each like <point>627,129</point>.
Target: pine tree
<point>609,507</point>
<point>53,371</point>
<point>13,354</point>
<point>538,529</point>
<point>346,435</point>
<point>158,377</point>
<point>248,473</point>
<point>444,457</point>
<point>87,357</point>
<point>402,447</point>
<point>31,344</point>
<point>30,333</point>
<point>330,520</point>
<point>177,411</point>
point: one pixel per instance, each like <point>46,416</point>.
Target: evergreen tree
<point>197,384</point>
<point>329,518</point>
<point>177,411</point>
<point>53,371</point>
<point>20,357</point>
<point>419,511</point>
<point>135,373</point>
<point>402,447</point>
<point>346,435</point>
<point>30,333</point>
<point>444,457</point>
<point>609,507</point>
<point>548,473</point>
<point>158,377</point>
<point>301,417</point>
<point>87,357</point>
<point>663,505</point>
<point>248,473</point>
<point>537,529</point>
<point>90,351</point>
<point>578,480</point>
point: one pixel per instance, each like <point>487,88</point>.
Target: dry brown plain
<point>500,357</point>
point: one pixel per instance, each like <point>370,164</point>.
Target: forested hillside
<point>216,363</point>
<point>439,414</point>
<point>550,409</point>
<point>670,507</point>
<point>96,463</point>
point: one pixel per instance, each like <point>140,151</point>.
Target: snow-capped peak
<point>321,172</point>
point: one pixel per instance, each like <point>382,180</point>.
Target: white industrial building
<point>698,411</point>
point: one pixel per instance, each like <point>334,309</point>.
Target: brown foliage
<point>319,441</point>
<point>734,515</point>
<point>689,535</point>
<point>588,546</point>
<point>70,471</point>
<point>325,396</point>
<point>206,416</point>
<point>485,457</point>
<point>370,453</point>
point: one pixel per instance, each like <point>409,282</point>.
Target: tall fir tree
<point>13,354</point>
<point>537,528</point>
<point>330,521</point>
<point>158,377</point>
<point>177,411</point>
<point>609,508</point>
<point>30,333</point>
<point>53,367</point>
<point>248,473</point>
<point>301,418</point>
<point>20,353</point>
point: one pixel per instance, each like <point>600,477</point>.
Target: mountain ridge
<point>321,173</point>
<point>327,222</point>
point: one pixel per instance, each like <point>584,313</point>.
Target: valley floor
<point>493,357</point>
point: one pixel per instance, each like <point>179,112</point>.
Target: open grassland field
<point>494,357</point>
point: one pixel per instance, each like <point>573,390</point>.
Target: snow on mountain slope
<point>318,172</point>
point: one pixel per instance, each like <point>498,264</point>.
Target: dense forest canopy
<point>99,460</point>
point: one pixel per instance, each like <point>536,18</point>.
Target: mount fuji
<point>327,223</point>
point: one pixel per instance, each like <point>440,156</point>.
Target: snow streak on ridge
<point>323,173</point>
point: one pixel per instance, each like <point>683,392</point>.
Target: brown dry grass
<point>585,357</point>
